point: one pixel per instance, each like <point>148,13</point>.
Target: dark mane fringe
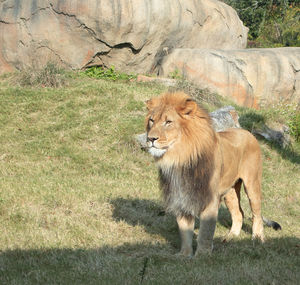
<point>186,189</point>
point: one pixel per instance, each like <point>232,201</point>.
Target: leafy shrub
<point>110,73</point>
<point>281,31</point>
<point>271,23</point>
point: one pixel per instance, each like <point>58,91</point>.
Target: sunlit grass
<point>80,202</point>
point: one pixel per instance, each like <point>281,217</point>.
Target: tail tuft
<point>272,224</point>
<point>276,226</point>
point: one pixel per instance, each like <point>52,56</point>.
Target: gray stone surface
<point>132,35</point>
<point>279,135</point>
<point>225,118</point>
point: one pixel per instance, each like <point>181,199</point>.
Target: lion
<point>199,167</point>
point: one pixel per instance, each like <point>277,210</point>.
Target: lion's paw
<point>185,253</point>
<point>203,251</point>
<point>258,237</point>
<point>230,236</point>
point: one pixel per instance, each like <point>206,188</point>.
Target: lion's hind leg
<point>232,201</point>
<point>253,191</point>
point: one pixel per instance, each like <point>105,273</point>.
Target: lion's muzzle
<point>156,152</point>
<point>153,148</point>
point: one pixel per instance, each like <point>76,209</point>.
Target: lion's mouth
<point>157,152</point>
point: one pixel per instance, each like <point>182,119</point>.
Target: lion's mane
<point>186,178</point>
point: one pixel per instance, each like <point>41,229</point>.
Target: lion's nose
<point>152,139</point>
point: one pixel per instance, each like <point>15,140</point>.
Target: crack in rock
<point>295,70</point>
<point>23,21</point>
<point>55,53</point>
<point>34,13</point>
<point>127,45</point>
<point>98,54</point>
<point>194,21</point>
<point>232,63</point>
<point>6,23</point>
<point>93,33</point>
<point>81,24</point>
<point>220,13</point>
<point>198,22</point>
<point>223,18</point>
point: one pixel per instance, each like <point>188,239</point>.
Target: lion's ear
<point>151,103</point>
<point>189,107</point>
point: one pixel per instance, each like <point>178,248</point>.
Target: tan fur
<point>199,166</point>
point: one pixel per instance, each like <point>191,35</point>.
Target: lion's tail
<point>272,224</point>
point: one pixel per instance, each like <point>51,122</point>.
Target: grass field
<point>80,203</point>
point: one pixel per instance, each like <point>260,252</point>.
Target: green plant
<point>281,31</point>
<point>271,23</point>
<point>107,73</point>
<point>294,125</point>
<point>176,74</point>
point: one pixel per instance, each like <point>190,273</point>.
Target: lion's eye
<point>151,121</point>
<point>168,122</point>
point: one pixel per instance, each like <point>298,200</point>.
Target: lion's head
<point>178,130</point>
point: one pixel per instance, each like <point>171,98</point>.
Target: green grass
<point>80,202</point>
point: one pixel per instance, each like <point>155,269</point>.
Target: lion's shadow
<point>151,215</point>
<point>148,214</point>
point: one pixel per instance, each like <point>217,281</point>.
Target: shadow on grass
<point>287,153</point>
<point>236,262</point>
<point>155,220</point>
<point>252,120</point>
<point>239,262</point>
<point>148,214</point>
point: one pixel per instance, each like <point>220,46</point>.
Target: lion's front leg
<point>186,229</point>
<point>208,219</point>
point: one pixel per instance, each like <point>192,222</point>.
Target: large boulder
<point>250,77</point>
<point>132,35</point>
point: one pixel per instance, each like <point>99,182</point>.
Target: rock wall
<point>251,77</point>
<point>132,35</point>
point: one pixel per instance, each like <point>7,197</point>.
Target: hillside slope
<point>80,203</point>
